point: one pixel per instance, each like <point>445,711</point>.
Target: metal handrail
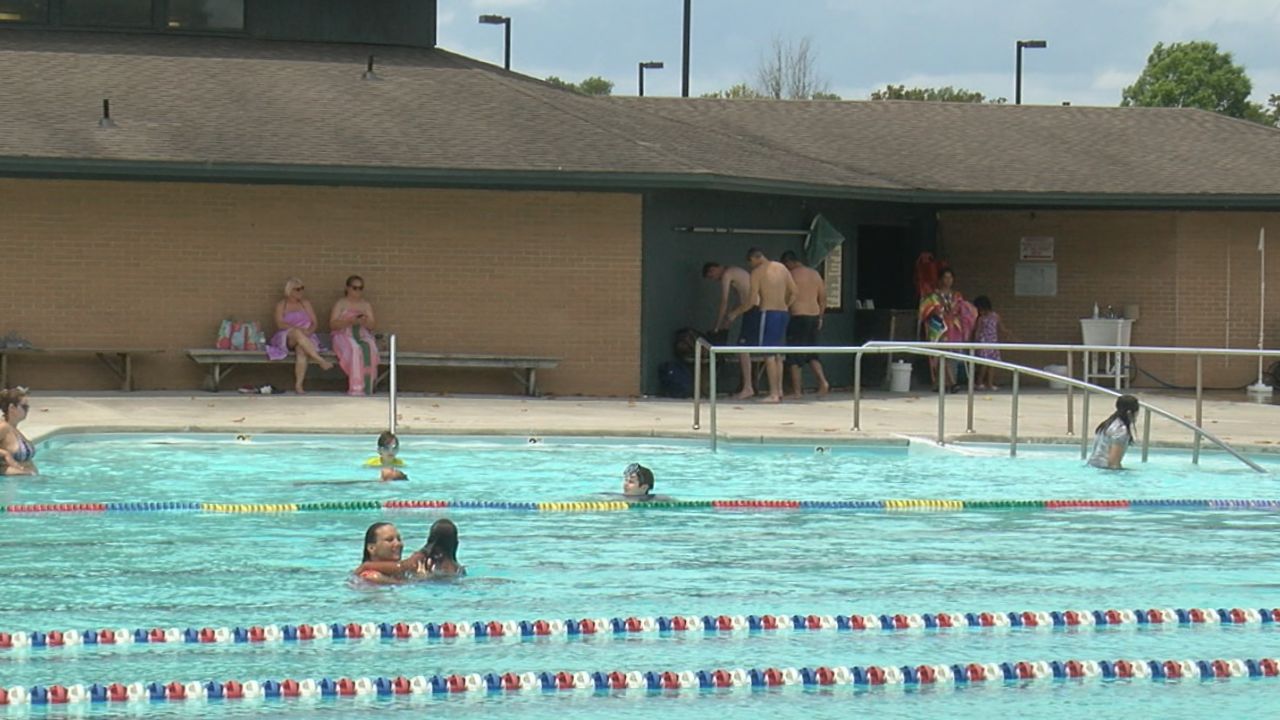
<point>946,350</point>
<point>391,376</point>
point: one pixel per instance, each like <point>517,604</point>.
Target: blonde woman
<point>17,453</point>
<point>296,331</point>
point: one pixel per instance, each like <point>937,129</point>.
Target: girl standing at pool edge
<point>1114,435</point>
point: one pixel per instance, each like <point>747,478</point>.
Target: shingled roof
<point>245,110</point>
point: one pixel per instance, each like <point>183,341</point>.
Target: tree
<point>594,85</point>
<point>942,94</point>
<point>1193,74</point>
<point>737,92</point>
<point>789,70</point>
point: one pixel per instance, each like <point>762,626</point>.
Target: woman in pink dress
<point>296,330</point>
<point>351,327</point>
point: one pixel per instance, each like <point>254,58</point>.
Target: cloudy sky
<point>1096,47</point>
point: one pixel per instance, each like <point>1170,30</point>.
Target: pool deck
<point>885,416</point>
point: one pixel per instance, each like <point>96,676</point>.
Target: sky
<point>1095,47</point>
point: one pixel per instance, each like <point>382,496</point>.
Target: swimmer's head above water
<point>637,481</point>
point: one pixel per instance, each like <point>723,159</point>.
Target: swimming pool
<point>183,569</point>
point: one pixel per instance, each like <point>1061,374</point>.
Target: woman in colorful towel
<point>351,324</point>
<point>296,330</point>
<point>946,317</point>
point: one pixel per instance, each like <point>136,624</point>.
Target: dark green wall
<point>378,22</point>
<point>676,296</point>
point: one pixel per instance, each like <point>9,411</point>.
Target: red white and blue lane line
<point>858,676</point>
<point>631,626</point>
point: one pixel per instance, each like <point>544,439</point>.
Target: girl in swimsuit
<point>17,453</point>
<point>296,323</point>
<point>441,550</point>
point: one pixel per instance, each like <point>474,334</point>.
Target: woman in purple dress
<point>296,331</point>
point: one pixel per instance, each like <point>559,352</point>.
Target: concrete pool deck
<point>885,416</point>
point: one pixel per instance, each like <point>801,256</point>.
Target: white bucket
<point>900,377</point>
<point>1056,370</point>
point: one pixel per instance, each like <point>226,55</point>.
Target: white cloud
<point>1182,19</point>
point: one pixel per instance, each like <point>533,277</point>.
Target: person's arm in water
<point>391,473</point>
<point>391,568</point>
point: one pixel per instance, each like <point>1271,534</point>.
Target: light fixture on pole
<point>684,70</point>
<point>506,44</point>
<point>651,65</point>
<point>1017,90</point>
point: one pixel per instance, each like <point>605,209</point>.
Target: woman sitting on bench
<point>296,321</point>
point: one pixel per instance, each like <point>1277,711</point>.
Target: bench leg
<point>531,384</point>
<point>122,367</point>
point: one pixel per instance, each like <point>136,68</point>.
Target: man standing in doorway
<point>772,291</point>
<point>735,281</point>
<point>806,321</point>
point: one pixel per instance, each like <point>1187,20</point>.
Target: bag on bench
<point>234,335</point>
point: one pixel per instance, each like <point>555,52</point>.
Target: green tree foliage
<point>737,92</point>
<point>942,94</point>
<point>594,85</point>
<point>1193,74</point>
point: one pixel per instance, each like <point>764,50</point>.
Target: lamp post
<point>651,65</point>
<point>684,70</point>
<point>1017,90</point>
<point>506,45</point>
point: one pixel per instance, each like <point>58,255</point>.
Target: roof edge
<point>592,181</point>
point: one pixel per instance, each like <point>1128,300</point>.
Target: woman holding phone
<point>351,325</point>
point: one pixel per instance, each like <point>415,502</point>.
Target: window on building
<point>206,15</point>
<point>107,13</point>
<point>24,11</point>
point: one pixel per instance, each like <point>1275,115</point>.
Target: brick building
<point>490,212</point>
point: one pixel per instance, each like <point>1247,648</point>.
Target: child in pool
<point>388,446</point>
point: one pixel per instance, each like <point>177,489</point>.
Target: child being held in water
<point>388,446</point>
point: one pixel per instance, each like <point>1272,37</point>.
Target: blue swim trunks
<point>773,331</point>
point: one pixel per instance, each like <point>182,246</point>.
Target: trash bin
<point>900,377</point>
<point>1056,370</point>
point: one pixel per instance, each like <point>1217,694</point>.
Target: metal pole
<point>391,403</point>
<point>712,399</point>
<point>1013,421</point>
<point>697,385</point>
<point>684,72</point>
<point>1071,406</point>
<point>1084,424</point>
<point>969,368</point>
<point>857,391</point>
<point>506,45</point>
<point>1017,88</point>
<point>1195,446</point>
<point>942,400</point>
<point>1146,433</point>
<point>641,71</point>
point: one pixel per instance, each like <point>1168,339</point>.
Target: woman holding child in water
<point>383,550</point>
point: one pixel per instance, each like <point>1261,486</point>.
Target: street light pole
<point>506,44</point>
<point>1017,90</point>
<point>684,72</point>
<point>651,65</point>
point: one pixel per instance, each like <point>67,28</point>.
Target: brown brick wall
<point>159,264</point>
<point>1174,265</point>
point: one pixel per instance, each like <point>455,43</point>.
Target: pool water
<point>132,570</point>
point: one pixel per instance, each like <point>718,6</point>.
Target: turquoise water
<point>195,570</point>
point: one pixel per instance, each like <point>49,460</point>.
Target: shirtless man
<point>806,322</point>
<point>772,291</point>
<point>738,281</point>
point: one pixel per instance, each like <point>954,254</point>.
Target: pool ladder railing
<point>948,351</point>
<point>391,380</point>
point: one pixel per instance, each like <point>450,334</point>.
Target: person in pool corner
<point>388,446</point>
<point>17,453</point>
<point>1114,435</point>
<point>772,292</point>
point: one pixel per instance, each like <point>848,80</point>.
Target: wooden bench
<point>222,362</point>
<point>118,360</point>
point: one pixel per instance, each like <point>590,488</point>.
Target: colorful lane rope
<point>631,626</point>
<point>668,680</point>
<point>618,506</point>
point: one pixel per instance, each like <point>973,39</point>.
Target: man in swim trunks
<point>806,322</point>
<point>737,281</point>
<point>772,291</point>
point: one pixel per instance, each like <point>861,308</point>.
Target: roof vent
<point>368,73</point>
<point>105,122</point>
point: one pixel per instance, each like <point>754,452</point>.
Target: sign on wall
<point>1036,249</point>
<point>833,274</point>
<point>1035,279</point>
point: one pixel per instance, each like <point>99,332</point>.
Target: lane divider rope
<point>668,680</point>
<point>631,626</point>
<point>908,505</point>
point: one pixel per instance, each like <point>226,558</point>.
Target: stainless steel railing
<point>947,351</point>
<point>391,380</point>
